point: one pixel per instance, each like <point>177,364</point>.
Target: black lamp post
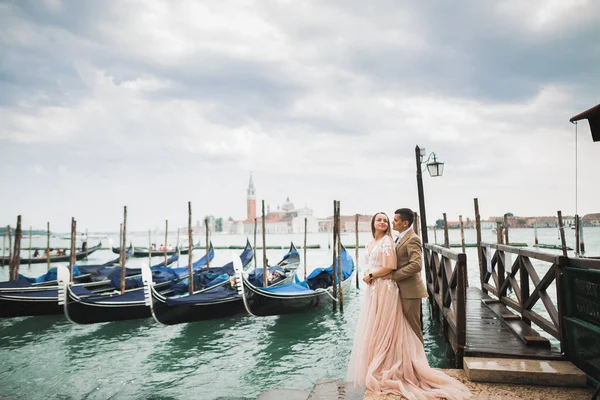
<point>435,168</point>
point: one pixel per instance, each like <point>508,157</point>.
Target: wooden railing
<point>504,276</point>
<point>446,275</point>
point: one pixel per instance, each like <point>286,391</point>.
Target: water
<point>49,358</point>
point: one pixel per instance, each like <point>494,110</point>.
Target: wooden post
<point>121,237</point>
<point>581,244</point>
<point>577,235</point>
<point>356,251</point>
<point>166,238</point>
<point>255,223</point>
<point>479,249</point>
<point>416,222</point>
<point>498,232</point>
<point>265,265</point>
<point>191,244</point>
<point>48,245</point>
<point>334,248</point>
<point>86,243</point>
<point>72,257</point>
<point>446,238</point>
<point>535,231</point>
<point>3,248</point>
<point>506,242</point>
<point>461,306</point>
<point>339,261</point>
<point>10,253</point>
<point>435,234</point>
<point>462,233</point>
<point>17,251</point>
<point>149,248</point>
<point>561,229</point>
<point>123,241</point>
<point>305,226</point>
<point>29,264</point>
<point>207,241</point>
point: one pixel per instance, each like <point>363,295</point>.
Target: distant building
<point>591,219</point>
<point>347,223</point>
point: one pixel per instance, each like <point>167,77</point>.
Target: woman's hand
<point>366,277</point>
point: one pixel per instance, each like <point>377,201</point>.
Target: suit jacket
<point>410,263</point>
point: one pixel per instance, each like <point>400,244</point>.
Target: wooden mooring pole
<point>207,229</point>
<point>86,243</point>
<point>340,274</point>
<point>356,251</point>
<point>435,234</point>
<point>506,242</point>
<point>498,232</point>
<point>123,241</point>
<point>416,222</point>
<point>3,248</point>
<point>149,248</point>
<point>29,264</point>
<point>334,262</point>
<point>581,243</point>
<point>48,245</point>
<point>72,257</point>
<point>577,235</point>
<point>255,223</point>
<point>561,229</point>
<point>264,240</point>
<point>535,233</point>
<point>166,239</point>
<point>304,249</point>
<point>479,249</point>
<point>10,252</point>
<point>462,233</point>
<point>191,244</point>
<point>446,238</point>
<point>16,256</point>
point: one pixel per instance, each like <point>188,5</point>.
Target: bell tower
<point>251,200</point>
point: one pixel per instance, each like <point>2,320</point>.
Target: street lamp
<point>435,168</point>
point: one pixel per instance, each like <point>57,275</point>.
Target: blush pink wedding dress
<point>387,356</point>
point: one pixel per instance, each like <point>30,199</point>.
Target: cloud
<point>155,103</point>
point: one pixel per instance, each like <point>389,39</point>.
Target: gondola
<point>298,296</point>
<point>140,252</point>
<point>53,259</point>
<point>215,300</point>
<point>82,306</point>
<point>36,300</point>
<point>81,274</point>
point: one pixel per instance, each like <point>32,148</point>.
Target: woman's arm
<point>387,262</point>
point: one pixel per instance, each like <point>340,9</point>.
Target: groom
<point>408,274</point>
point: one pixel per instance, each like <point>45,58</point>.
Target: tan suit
<point>408,277</point>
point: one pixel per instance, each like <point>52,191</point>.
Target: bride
<point>387,356</point>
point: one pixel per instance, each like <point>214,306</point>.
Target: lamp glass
<point>435,168</point>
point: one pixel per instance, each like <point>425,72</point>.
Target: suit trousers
<point>412,312</point>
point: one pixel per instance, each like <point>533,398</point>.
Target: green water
<point>50,358</point>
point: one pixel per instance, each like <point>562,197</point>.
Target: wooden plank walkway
<point>488,335</point>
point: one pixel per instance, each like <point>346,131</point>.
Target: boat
<point>81,274</point>
<point>82,306</point>
<point>140,252</point>
<point>5,260</point>
<point>297,296</point>
<point>216,298</point>
<point>43,300</point>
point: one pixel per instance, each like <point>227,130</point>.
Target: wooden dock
<point>487,335</point>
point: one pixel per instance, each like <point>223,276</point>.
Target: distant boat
<point>53,259</point>
<point>139,252</point>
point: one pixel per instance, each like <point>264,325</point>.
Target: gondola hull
<point>53,259</point>
<point>24,305</point>
<point>86,312</point>
<point>261,303</point>
<point>171,315</point>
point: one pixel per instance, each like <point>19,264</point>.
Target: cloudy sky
<point>151,104</point>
